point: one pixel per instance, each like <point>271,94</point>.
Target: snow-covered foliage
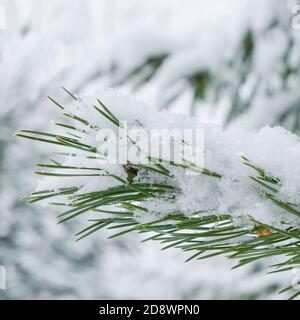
<point>232,204</point>
<point>83,45</point>
<point>234,60</point>
<point>230,156</point>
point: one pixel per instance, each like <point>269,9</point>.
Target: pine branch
<point>203,233</point>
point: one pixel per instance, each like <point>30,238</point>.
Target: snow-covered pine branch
<point>245,202</point>
<point>247,73</point>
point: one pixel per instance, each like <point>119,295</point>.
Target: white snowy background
<point>90,45</point>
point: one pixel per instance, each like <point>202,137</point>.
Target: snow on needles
<point>274,150</point>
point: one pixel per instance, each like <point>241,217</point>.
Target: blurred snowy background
<point>232,63</point>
